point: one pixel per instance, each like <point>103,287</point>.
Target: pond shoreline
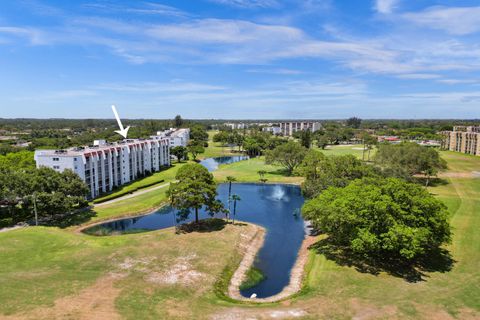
<point>250,252</point>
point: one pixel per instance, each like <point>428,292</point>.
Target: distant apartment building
<point>465,139</point>
<point>289,128</point>
<point>274,130</point>
<point>176,137</point>
<point>104,166</point>
<point>235,125</point>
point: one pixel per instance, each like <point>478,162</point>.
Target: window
<point>75,159</point>
<point>56,159</point>
<point>56,167</point>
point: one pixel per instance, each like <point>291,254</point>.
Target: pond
<point>276,207</point>
<point>212,163</point>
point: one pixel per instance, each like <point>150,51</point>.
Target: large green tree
<point>289,155</point>
<point>381,218</point>
<point>195,189</point>
<point>180,152</point>
<point>408,159</point>
<point>322,171</point>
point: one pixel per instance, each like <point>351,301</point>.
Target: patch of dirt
<point>469,175</point>
<point>181,272</point>
<point>364,311</point>
<point>437,313</point>
<point>96,302</point>
<point>256,314</point>
<point>130,264</point>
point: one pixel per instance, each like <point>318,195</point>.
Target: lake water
<point>212,163</point>
<point>276,207</point>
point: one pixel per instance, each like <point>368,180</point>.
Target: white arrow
<point>123,132</point>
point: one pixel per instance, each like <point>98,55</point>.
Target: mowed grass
<point>215,149</point>
<point>340,150</point>
<point>41,265</point>
<point>247,171</point>
<point>441,294</point>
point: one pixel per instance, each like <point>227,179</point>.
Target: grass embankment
<point>164,176</point>
<point>253,277</point>
<point>442,293</point>
<point>51,273</point>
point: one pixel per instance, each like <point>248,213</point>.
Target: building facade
<point>176,137</point>
<point>104,166</point>
<point>464,139</point>
<point>289,128</point>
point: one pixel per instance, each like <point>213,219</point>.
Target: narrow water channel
<point>276,207</point>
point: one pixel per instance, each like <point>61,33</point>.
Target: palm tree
<point>230,179</point>
<point>235,198</point>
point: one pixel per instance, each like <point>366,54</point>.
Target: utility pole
<point>35,208</point>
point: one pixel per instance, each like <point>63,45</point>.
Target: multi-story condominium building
<point>104,166</point>
<point>177,137</point>
<point>465,139</point>
<point>289,128</point>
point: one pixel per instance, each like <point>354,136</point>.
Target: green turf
<point>247,171</point>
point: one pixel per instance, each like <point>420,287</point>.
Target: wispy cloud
<point>453,20</point>
<point>248,3</point>
<point>385,6</point>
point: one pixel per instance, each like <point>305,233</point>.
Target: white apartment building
<point>289,128</point>
<point>107,165</point>
<point>272,129</point>
<point>235,125</point>
<point>176,137</point>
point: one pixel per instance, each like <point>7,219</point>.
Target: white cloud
<point>385,6</point>
<point>248,3</point>
<point>418,76</point>
<point>453,20</point>
<point>33,35</point>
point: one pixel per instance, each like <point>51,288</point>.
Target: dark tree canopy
<point>322,171</point>
<point>289,155</point>
<point>381,217</point>
<point>408,159</point>
<point>179,152</point>
<point>178,121</point>
<point>354,122</point>
<point>195,189</point>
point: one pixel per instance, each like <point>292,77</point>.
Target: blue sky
<point>262,59</point>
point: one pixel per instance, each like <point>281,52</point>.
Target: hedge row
<point>121,194</point>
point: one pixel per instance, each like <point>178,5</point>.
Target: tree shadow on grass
<point>280,172</point>
<point>438,260</point>
<point>70,219</point>
<point>205,225</point>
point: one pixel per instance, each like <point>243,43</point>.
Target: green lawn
<point>247,171</point>
<point>215,149</point>
<point>340,150</point>
<point>50,273</point>
<point>441,294</point>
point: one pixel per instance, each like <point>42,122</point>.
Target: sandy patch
<point>363,311</point>
<point>181,272</point>
<point>96,302</point>
<point>469,175</point>
<point>256,314</point>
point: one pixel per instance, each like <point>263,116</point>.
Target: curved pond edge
<point>255,243</point>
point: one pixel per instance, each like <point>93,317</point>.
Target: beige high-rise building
<point>465,139</point>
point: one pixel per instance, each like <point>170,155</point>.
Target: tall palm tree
<point>230,179</point>
<point>235,198</point>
